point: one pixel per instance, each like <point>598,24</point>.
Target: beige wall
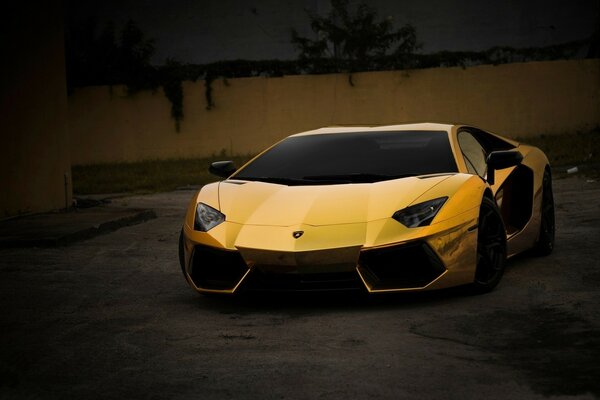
<point>35,151</point>
<point>251,113</point>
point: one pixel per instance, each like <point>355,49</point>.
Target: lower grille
<point>216,269</point>
<point>411,265</point>
<point>259,280</point>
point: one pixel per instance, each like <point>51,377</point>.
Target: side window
<point>473,153</point>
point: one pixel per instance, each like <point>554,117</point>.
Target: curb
<point>138,217</point>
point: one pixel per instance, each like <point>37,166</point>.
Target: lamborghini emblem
<point>297,234</point>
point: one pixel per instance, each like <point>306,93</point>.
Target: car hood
<point>260,203</point>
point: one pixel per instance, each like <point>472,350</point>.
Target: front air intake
<point>216,269</point>
<point>411,265</point>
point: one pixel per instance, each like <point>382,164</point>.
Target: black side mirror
<point>501,159</point>
<point>222,168</point>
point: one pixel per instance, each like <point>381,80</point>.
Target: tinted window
<point>355,157</point>
<point>473,153</point>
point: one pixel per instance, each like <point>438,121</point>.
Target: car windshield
<point>352,157</point>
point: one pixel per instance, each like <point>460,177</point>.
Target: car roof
<point>425,126</point>
<point>422,126</point>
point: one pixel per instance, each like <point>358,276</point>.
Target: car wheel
<point>545,243</point>
<point>491,248</point>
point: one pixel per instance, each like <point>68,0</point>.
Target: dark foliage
<point>96,57</point>
<point>171,78</point>
<point>350,38</point>
<point>108,57</point>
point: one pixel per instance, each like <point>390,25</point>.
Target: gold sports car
<point>383,209</point>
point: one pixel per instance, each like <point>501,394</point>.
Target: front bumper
<point>381,256</point>
<point>413,265</point>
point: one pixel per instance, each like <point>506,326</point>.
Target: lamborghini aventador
<point>390,208</point>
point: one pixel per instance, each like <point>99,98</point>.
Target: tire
<point>491,248</point>
<point>545,242</point>
<point>181,252</point>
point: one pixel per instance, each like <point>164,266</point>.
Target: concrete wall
<point>251,113</point>
<point>35,151</point>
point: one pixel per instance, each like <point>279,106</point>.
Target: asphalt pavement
<point>110,316</point>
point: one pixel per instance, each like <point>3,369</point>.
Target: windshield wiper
<point>358,177</point>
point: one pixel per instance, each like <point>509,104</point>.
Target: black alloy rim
<point>491,249</point>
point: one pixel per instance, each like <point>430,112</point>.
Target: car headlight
<point>420,214</point>
<point>207,218</point>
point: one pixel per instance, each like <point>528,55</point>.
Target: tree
<point>99,58</point>
<point>351,39</point>
<point>134,54</point>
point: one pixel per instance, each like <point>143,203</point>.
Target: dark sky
<point>202,31</point>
